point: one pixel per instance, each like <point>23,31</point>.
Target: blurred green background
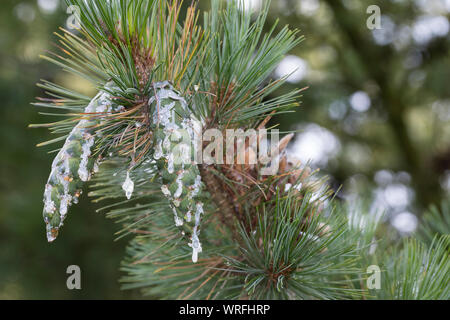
<point>376,119</point>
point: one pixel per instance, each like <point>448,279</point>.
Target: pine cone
<point>180,177</point>
<point>73,165</point>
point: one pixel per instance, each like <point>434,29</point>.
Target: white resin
<point>128,186</point>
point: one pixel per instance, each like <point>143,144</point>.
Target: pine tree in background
<point>210,230</point>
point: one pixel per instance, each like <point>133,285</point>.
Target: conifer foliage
<point>165,74</point>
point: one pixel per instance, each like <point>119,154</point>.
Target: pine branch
<point>161,83</point>
<point>416,272</point>
<point>436,221</point>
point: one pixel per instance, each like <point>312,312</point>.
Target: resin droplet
<point>196,247</point>
<point>195,244</point>
<point>83,171</point>
<point>128,186</point>
<point>165,190</point>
